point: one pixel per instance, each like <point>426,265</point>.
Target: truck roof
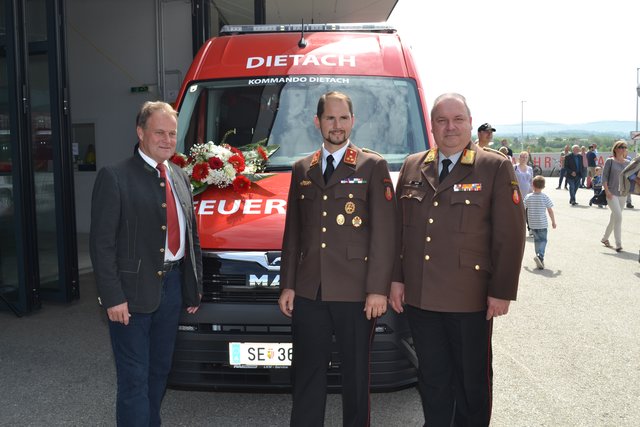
<point>343,49</point>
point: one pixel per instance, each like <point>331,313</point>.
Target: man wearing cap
<point>485,134</point>
<point>462,232</point>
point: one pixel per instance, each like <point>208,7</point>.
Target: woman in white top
<point>524,174</point>
<point>613,167</point>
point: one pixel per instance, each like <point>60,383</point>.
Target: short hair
<point>450,95</point>
<point>538,182</point>
<point>150,107</point>
<point>336,95</point>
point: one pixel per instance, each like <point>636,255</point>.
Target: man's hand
<point>194,308</point>
<point>396,296</point>
<point>119,313</point>
<point>286,301</point>
<point>375,306</point>
<point>497,307</point>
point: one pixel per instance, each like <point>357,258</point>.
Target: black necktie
<point>329,169</point>
<point>445,170</point>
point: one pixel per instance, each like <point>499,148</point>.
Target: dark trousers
<point>455,376</point>
<point>143,351</point>
<point>314,323</point>
<point>574,183</point>
<point>563,172</point>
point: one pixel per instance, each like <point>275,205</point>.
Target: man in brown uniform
<point>337,259</point>
<point>462,223</point>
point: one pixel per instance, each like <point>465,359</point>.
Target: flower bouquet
<point>223,165</point>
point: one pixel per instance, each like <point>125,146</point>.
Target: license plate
<point>260,353</point>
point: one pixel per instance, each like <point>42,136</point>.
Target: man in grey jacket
<point>147,262</point>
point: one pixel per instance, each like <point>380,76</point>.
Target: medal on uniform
<point>388,194</point>
<point>356,221</point>
<point>340,219</point>
<point>350,207</point>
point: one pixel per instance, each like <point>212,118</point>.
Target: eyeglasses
<point>624,147</point>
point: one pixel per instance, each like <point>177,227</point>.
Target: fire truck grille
<point>230,279</point>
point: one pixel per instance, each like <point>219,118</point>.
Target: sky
<point>571,61</point>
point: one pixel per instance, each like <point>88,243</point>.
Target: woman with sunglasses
<point>613,167</point>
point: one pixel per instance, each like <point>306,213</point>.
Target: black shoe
<point>629,205</point>
<point>557,188</point>
<point>590,203</point>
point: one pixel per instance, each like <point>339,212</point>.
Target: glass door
<point>38,253</point>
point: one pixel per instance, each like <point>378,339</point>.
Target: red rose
<point>237,162</point>
<point>241,184</point>
<point>178,160</point>
<point>234,150</point>
<point>200,171</point>
<point>262,153</point>
<point>215,163</point>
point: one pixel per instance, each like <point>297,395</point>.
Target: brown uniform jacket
<point>463,239</point>
<point>340,235</point>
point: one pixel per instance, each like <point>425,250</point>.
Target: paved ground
<point>568,354</point>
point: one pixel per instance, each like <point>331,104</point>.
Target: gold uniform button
<point>302,196</point>
<point>324,229</point>
<point>162,184</point>
<point>351,196</point>
<point>477,267</point>
<point>324,197</point>
<point>164,227</point>
<point>428,239</point>
<point>366,258</point>
<point>430,220</point>
<point>164,205</point>
<point>467,202</point>
<point>159,273</point>
<point>324,245</point>
<point>427,257</point>
<point>435,203</point>
<point>324,213</point>
<point>161,250</point>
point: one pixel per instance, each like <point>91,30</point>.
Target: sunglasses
<point>624,147</point>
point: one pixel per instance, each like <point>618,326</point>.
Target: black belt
<point>171,265</point>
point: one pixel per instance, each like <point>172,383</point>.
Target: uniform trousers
<point>143,351</point>
<point>314,324</point>
<point>455,375</point>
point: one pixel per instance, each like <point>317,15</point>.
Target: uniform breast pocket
<point>469,210</point>
<point>306,205</point>
<point>412,202</point>
<point>350,203</point>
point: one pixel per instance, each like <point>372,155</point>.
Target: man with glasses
<point>573,165</point>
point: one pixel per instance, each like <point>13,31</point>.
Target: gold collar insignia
<point>432,155</point>
<point>468,157</point>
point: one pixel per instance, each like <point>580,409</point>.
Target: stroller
<point>599,199</point>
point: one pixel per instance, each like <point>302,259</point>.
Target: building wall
<point>113,45</point>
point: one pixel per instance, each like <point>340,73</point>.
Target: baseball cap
<point>486,126</point>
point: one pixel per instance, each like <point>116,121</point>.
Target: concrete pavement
<point>568,353</point>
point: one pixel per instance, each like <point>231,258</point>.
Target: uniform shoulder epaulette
<point>491,150</point>
<point>368,150</point>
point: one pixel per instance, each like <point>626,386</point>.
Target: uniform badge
<point>305,182</point>
<point>340,219</point>
<point>516,196</point>
<point>431,155</point>
<point>388,194</point>
<point>350,207</point>
<point>350,156</point>
<point>468,157</point>
<point>356,221</point>
<point>315,159</point>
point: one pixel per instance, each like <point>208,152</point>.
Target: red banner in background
<point>550,162</point>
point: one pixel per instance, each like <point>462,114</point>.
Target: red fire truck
<point>261,83</point>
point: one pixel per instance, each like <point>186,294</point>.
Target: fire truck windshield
<point>280,111</point>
